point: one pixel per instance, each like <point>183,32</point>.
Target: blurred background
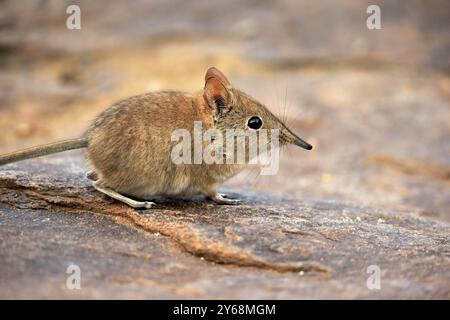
<point>374,103</point>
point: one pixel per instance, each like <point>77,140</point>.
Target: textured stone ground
<point>375,190</point>
<point>267,247</point>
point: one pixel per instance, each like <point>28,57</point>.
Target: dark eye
<point>255,123</point>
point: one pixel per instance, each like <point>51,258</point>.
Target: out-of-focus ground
<point>374,103</point>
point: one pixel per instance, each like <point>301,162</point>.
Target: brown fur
<point>129,145</point>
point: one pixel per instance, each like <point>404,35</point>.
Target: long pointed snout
<point>302,143</point>
<point>294,139</point>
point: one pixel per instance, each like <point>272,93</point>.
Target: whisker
<point>296,117</point>
<point>274,98</point>
<point>285,104</point>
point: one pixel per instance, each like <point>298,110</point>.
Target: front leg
<point>221,198</point>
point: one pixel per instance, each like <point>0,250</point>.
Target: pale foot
<point>221,198</point>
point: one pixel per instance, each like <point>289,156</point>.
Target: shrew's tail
<point>43,150</point>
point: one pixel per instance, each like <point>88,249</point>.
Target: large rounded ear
<point>216,91</point>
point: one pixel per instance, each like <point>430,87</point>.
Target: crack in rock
<point>31,194</point>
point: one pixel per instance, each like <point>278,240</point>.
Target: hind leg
<point>115,195</point>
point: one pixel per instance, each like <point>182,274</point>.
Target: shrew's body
<point>129,145</point>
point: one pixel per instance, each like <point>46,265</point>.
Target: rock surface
<point>267,247</point>
<point>373,191</point>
